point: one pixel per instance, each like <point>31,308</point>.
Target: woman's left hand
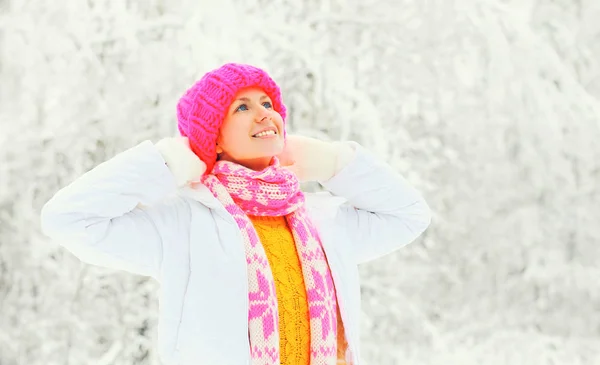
<point>314,160</point>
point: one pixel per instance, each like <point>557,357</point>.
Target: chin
<point>280,146</point>
<point>274,148</point>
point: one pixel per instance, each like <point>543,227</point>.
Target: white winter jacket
<point>128,214</point>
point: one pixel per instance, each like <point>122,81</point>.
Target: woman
<point>252,270</point>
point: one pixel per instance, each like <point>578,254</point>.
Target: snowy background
<point>490,107</point>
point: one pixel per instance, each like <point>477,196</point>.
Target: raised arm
<point>384,212</point>
<point>119,214</point>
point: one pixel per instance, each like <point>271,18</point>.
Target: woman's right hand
<point>183,163</point>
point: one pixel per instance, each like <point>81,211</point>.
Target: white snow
<point>489,107</point>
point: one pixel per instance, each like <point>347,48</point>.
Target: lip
<point>265,130</point>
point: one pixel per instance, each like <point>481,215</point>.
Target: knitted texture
<point>202,108</point>
<point>275,191</point>
<point>294,321</point>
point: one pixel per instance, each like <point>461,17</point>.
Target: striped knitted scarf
<point>275,191</point>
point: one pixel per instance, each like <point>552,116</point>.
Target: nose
<point>262,115</point>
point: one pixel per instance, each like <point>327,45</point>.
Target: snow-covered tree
<point>489,107</point>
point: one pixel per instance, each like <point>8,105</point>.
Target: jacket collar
<point>320,204</point>
<point>200,193</point>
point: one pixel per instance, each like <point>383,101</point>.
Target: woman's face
<point>252,131</point>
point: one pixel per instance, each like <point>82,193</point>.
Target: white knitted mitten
<point>314,160</point>
<point>183,163</point>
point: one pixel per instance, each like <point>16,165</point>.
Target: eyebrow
<point>248,100</point>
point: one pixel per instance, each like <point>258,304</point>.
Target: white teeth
<point>266,133</point>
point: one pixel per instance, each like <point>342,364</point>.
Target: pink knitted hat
<point>201,110</point>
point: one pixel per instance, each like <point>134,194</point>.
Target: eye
<point>267,104</point>
<point>239,108</point>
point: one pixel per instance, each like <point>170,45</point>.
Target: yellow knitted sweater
<point>294,321</point>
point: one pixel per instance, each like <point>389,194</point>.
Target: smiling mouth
<point>265,134</point>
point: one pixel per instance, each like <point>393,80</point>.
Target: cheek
<point>279,121</point>
<point>232,131</point>
<point>236,138</point>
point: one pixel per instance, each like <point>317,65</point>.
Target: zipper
<point>225,214</point>
<point>215,205</point>
<point>333,262</point>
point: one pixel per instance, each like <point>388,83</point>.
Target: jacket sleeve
<point>384,212</point>
<point>117,214</point>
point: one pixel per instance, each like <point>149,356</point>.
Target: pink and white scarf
<point>275,191</point>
